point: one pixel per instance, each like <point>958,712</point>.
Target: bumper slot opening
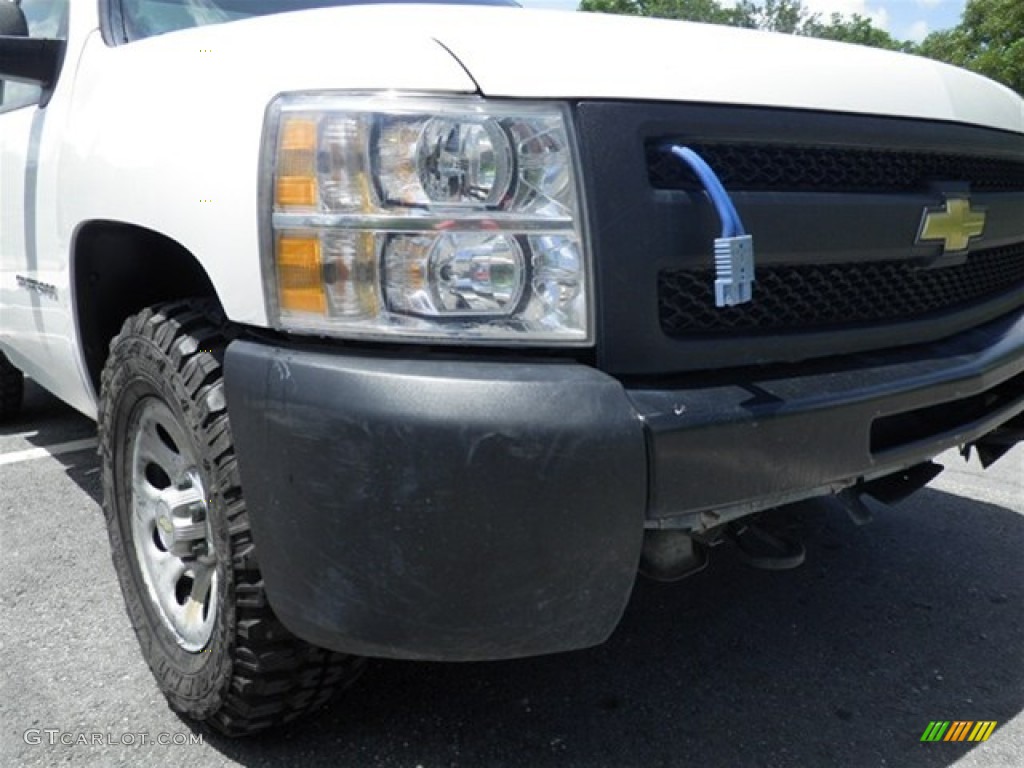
<point>891,432</point>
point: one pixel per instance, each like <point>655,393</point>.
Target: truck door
<point>36,318</point>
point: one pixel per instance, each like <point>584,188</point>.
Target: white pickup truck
<point>415,331</point>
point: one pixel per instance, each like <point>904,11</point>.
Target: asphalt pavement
<point>845,661</point>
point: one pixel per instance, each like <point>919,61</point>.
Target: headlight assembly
<point>439,219</point>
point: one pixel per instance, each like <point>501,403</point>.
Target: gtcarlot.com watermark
<point>56,737</point>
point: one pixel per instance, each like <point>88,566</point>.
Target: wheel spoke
<point>202,580</point>
<point>144,498</point>
<point>153,449</point>
<point>168,571</point>
<point>202,584</point>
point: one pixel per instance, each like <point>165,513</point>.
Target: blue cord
<point>734,250</point>
<point>731,224</point>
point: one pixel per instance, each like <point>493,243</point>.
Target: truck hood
<point>514,52</point>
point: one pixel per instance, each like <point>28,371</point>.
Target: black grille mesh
<point>812,297</point>
<point>782,168</point>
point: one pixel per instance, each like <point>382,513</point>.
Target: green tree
<point>855,29</point>
<point>988,40</point>
<point>708,11</point>
<point>786,16</point>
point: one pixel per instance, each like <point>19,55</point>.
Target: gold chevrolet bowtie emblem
<point>955,224</point>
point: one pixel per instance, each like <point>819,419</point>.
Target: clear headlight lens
<point>444,161</point>
<point>454,219</point>
<point>469,274</point>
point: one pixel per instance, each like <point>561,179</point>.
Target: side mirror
<point>14,24</point>
<point>27,59</point>
<point>12,20</point>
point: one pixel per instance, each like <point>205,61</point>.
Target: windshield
<point>145,18</point>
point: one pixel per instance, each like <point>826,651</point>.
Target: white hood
<point>520,53</point>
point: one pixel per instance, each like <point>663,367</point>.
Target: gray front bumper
<point>419,508</point>
<point>439,510</point>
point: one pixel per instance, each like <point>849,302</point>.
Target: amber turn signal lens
<point>296,185</point>
<point>300,275</point>
<point>296,191</point>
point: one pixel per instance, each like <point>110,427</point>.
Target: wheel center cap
<point>180,520</point>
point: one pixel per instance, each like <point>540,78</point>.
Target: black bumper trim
<point>433,510</point>
<point>763,440</point>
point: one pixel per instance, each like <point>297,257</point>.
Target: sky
<point>903,19</point>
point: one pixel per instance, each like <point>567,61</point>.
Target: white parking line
<point>17,457</point>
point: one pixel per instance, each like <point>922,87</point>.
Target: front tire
<point>180,536</point>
